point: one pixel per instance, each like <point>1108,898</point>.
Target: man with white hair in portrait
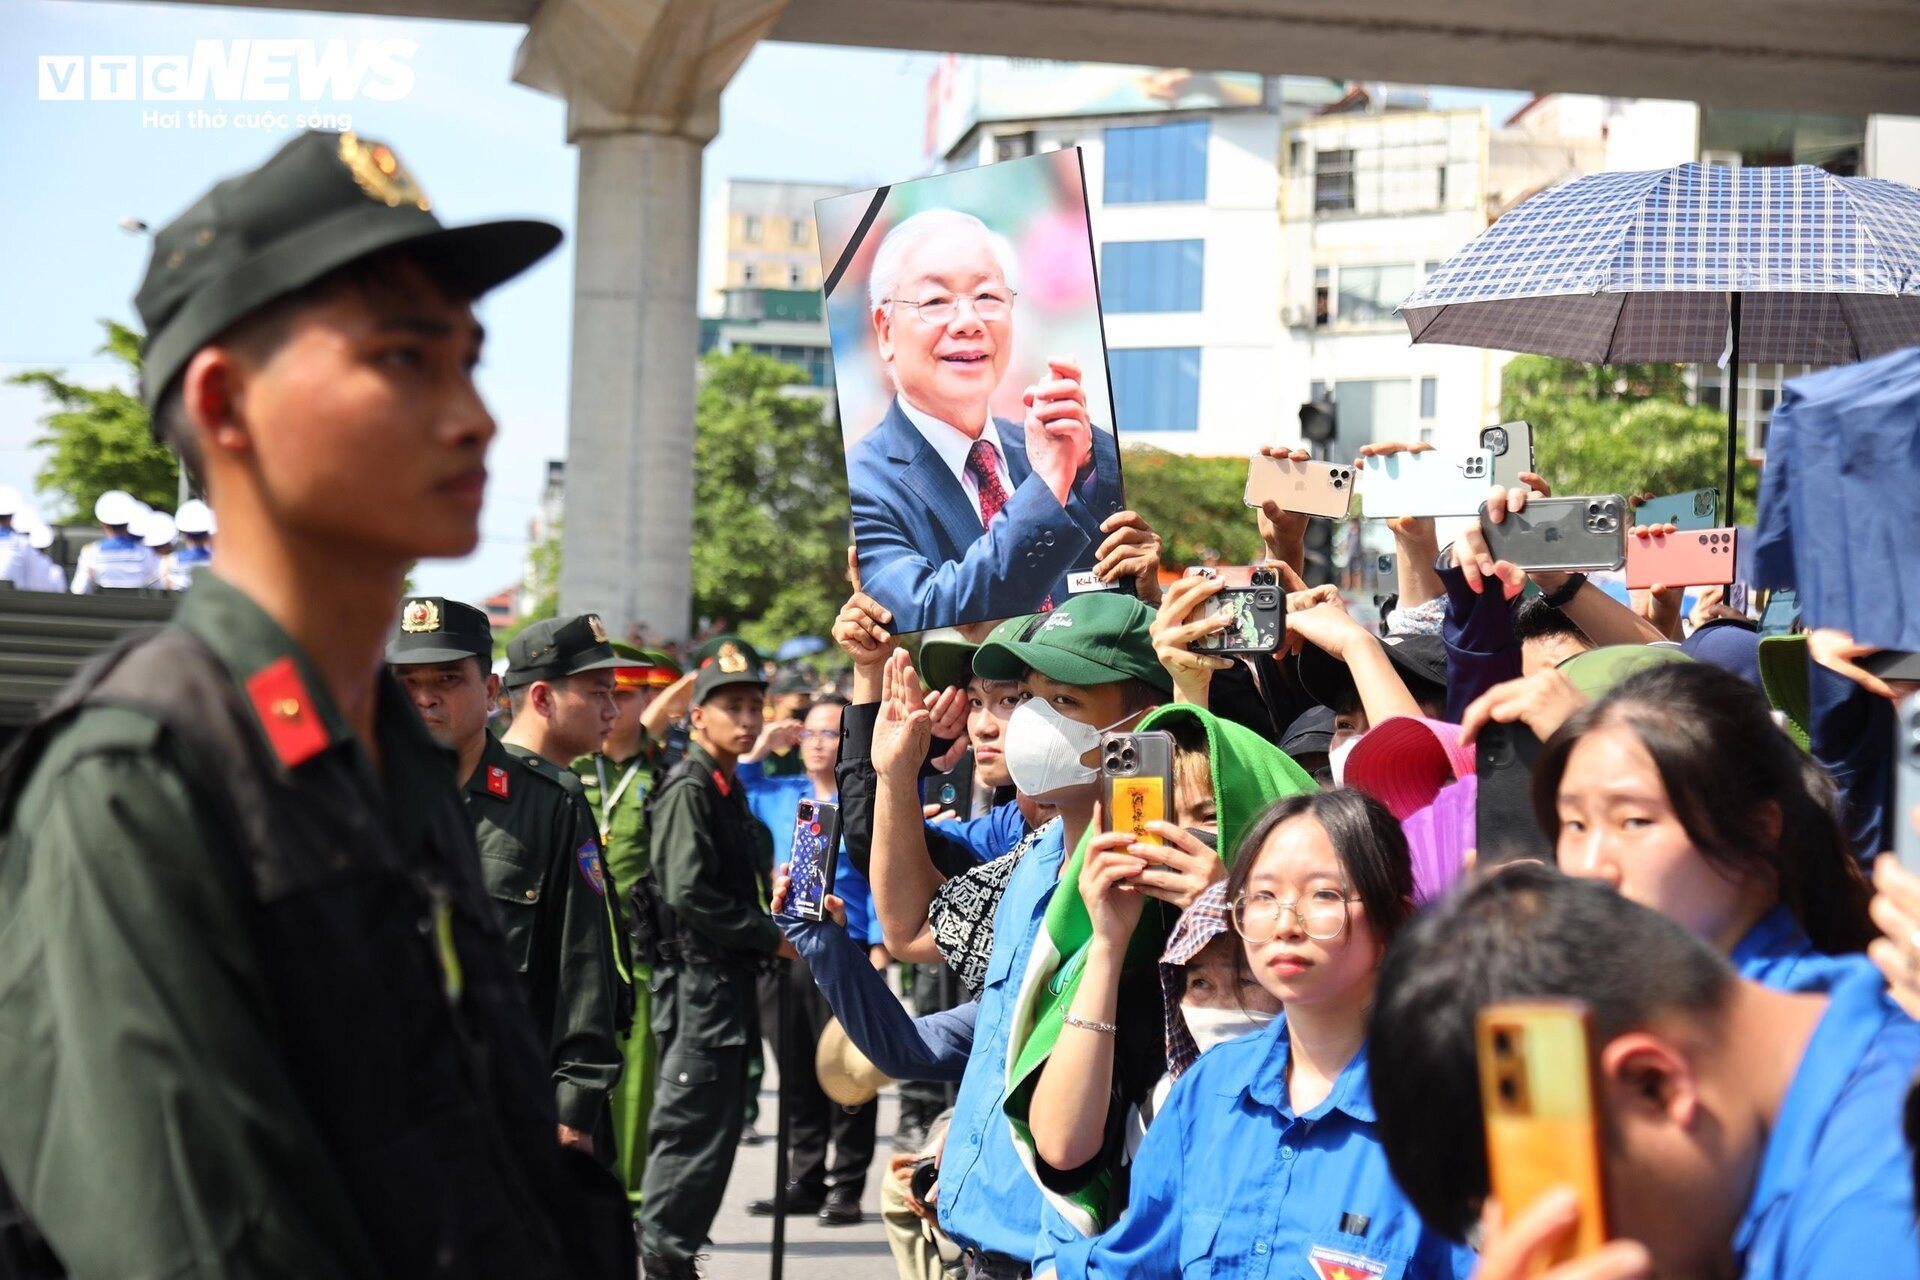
<point>958,515</point>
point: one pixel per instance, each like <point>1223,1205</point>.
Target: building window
<point>1333,181</point>
<point>1152,275</point>
<point>796,277</point>
<point>1372,410</point>
<point>1296,154</point>
<point>1760,138</point>
<point>1156,388</point>
<point>799,231</point>
<point>1440,195</point>
<point>1322,297</point>
<point>1711,396</point>
<point>1162,162</point>
<point>750,228</point>
<point>1428,268</point>
<point>1012,146</point>
<point>1368,295</point>
<point>749,274</point>
<point>1429,399</point>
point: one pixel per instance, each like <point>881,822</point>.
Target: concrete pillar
<point>642,85</point>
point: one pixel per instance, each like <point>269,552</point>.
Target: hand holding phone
<point>1560,534</point>
<point>1136,782</point>
<point>1429,483</point>
<point>1694,558</point>
<point>1537,1094</point>
<point>816,855</point>
<point>1255,603</point>
<point>1305,488</point>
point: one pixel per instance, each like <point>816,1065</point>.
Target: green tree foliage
<point>770,502</point>
<point>98,438</point>
<point>1620,429</point>
<point>1194,504</point>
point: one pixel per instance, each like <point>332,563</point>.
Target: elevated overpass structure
<point>642,81</point>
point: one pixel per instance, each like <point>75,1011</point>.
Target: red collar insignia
<point>287,714</point>
<point>497,780</point>
<point>720,781</point>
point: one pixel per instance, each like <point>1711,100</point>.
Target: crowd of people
<point>140,548</point>
<point>330,947</point>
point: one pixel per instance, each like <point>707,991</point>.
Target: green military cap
<point>322,201</point>
<point>556,647</point>
<point>946,657</point>
<point>711,649</point>
<point>1091,639</point>
<point>732,662</point>
<point>435,629</point>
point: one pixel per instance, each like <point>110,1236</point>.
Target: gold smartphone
<point>1136,775</point>
<point>1537,1090</point>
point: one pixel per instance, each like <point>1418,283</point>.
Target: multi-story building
<point>760,235</point>
<point>785,324</point>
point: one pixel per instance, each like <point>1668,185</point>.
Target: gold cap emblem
<point>599,632</point>
<point>420,615</point>
<point>731,660</point>
<point>380,173</point>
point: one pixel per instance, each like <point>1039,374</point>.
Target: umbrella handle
<point>1733,402</point>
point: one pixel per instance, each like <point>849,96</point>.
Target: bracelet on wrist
<point>1103,1028</point>
<point>1563,595</point>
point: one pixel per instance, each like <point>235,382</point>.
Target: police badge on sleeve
<point>588,856</point>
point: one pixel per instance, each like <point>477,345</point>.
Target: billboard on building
<point>970,365</point>
<point>966,91</point>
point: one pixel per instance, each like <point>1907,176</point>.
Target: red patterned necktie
<point>993,495</point>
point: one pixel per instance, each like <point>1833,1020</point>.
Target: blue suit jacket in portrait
<point>923,553</point>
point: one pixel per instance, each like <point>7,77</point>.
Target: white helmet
<point>194,516</point>
<point>10,503</point>
<point>39,534</point>
<point>157,530</point>
<point>116,507</point>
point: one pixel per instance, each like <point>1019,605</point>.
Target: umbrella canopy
<point>1627,267</point>
<point>799,647</point>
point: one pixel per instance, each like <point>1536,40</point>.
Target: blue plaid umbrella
<point>1785,264</point>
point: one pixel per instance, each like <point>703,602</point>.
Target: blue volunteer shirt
<point>1297,1195</point>
<point>1834,1196</point>
<point>990,835</point>
<point>988,1200</point>
<point>1777,953</point>
<point>774,801</point>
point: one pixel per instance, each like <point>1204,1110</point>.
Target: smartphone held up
<point>816,854</point>
<point>1136,782</point>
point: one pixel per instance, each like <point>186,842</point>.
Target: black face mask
<point>1210,839</point>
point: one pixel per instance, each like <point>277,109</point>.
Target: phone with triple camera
<point>816,854</point>
<point>1537,1091</point>
<point>1906,782</point>
<point>1511,444</point>
<point>1254,600</point>
<point>1505,829</point>
<point>1565,534</point>
<point>1694,509</point>
<point>1425,484</point>
<point>1136,782</point>
<point>1304,488</point>
<point>1694,558</point>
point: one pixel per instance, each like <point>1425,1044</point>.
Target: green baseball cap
<point>1096,638</point>
<point>1596,671</point>
<point>946,659</point>
<point>320,202</point>
<point>436,629</point>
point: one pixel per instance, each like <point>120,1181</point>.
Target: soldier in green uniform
<point>255,1013</point>
<point>539,857</point>
<point>616,779</point>
<point>708,853</point>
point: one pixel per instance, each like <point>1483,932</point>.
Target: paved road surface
<point>742,1246</point>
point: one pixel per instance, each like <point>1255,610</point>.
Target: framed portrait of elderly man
<point>970,364</point>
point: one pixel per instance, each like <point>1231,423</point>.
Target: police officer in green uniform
<point>616,780</point>
<point>539,854</point>
<point>708,853</point>
<point>255,1011</point>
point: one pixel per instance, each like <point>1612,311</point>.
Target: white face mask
<point>1337,759</point>
<point>1210,1027</point>
<point>1043,749</point>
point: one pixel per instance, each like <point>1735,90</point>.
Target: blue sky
<point>480,145</point>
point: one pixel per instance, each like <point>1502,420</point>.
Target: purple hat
<point>1438,837</point>
<point>1729,644</point>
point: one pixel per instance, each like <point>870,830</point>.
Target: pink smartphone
<point>1689,558</point>
<point>1305,488</point>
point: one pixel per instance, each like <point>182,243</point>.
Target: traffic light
<point>1319,424</point>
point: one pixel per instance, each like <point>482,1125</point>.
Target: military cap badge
<point>599,632</point>
<point>731,660</point>
<point>420,615</point>
<point>380,173</point>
